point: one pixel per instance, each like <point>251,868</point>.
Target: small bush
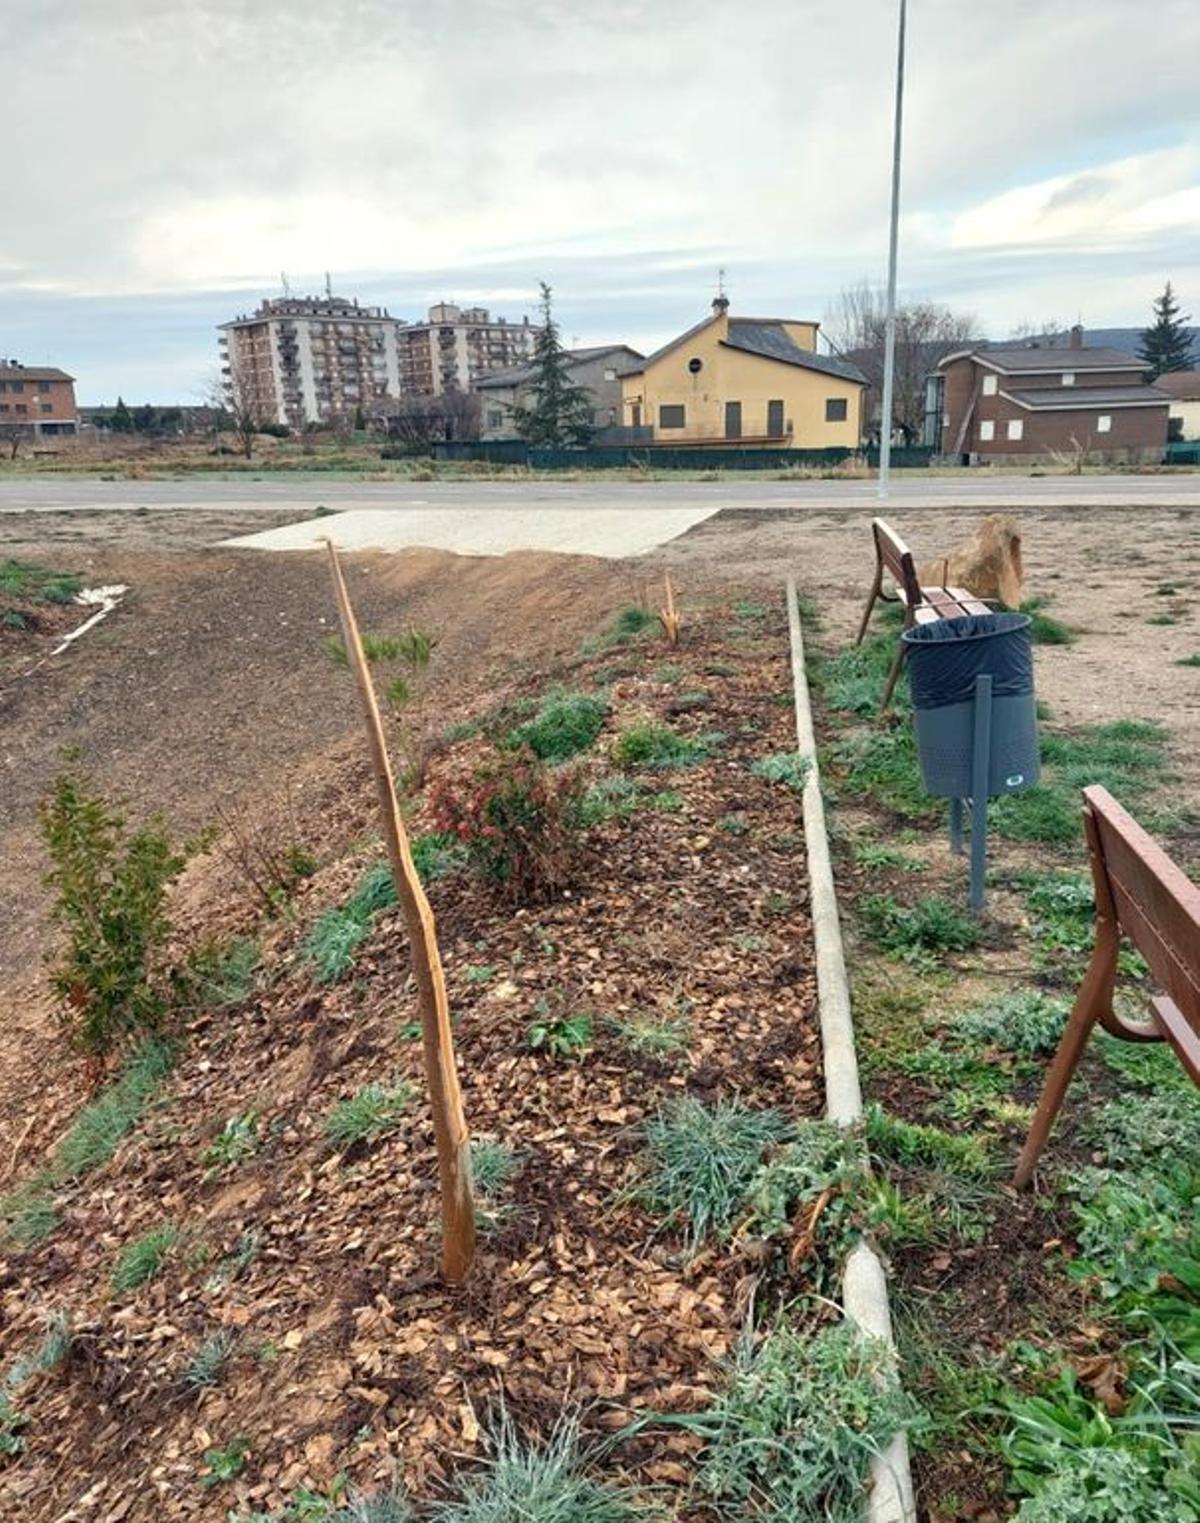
<point>520,825</point>
<point>918,931</point>
<point>785,767</point>
<point>703,1161</point>
<point>566,1036</point>
<point>366,1115</point>
<point>565,725</point>
<point>205,1367</point>
<point>492,1165</point>
<point>1027,1024</point>
<point>110,890</point>
<point>656,746</point>
<point>142,1259</point>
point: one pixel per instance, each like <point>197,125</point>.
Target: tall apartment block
<point>311,359</point>
<point>454,346</point>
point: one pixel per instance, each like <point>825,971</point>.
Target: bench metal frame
<point>1141,893</point>
<point>922,605</point>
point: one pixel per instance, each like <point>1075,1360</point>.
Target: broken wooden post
<point>669,614</point>
<point>449,1123</point>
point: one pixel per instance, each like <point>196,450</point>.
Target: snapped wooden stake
<point>669,614</point>
<point>449,1123</point>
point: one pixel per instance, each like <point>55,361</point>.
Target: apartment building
<point>455,346</point>
<point>312,360</point>
<point>37,400</point>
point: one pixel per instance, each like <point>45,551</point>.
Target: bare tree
<point>234,401</point>
<point>416,422</point>
<point>925,334</point>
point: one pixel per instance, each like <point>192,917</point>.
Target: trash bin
<point>945,658</point>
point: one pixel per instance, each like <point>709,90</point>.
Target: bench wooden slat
<point>1179,1033</point>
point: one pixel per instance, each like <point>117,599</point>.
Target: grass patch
<point>873,856</point>
<point>1044,630</point>
<point>101,1126</point>
<point>143,1259</point>
<point>853,679</point>
<point>655,746</point>
<point>38,584</point>
<point>492,1165</point>
<point>565,725</point>
<point>436,854</point>
<point>366,1115</point>
<point>207,1364</point>
<point>226,975</point>
<point>918,932</point>
<point>703,1160</point>
<point>913,1145</point>
<point>880,763</point>
<point>616,797</point>
<point>654,1036</point>
<point>632,621</point>
<point>332,943</point>
<point>1026,1024</point>
<point>1192,660</point>
<point>786,767</point>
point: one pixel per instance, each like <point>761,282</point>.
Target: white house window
<point>610,375</point>
<point>987,429</point>
<point>989,385</point>
<point>1016,428</point>
<point>1104,423</point>
<point>495,417</point>
<point>1068,378</point>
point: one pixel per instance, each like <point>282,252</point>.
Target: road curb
<point>864,1284</point>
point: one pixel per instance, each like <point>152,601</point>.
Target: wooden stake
<point>449,1123</point>
<point>669,615</point>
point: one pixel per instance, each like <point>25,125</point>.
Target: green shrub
<point>143,1258</point>
<point>916,932</point>
<point>793,1434</point>
<point>657,746</point>
<point>110,891</point>
<point>565,725</point>
<point>366,1115</point>
<point>785,767</point>
<point>565,1036</point>
<point>1027,1023</point>
<point>205,1367</point>
<point>703,1161</point>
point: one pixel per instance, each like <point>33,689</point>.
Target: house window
<point>17,386</point>
<point>695,366</point>
<point>610,375</point>
<point>836,409</point>
<point>987,429</point>
<point>1016,428</point>
<point>1104,423</point>
<point>672,416</point>
<point>47,407</point>
<point>495,417</point>
<point>1068,378</point>
<point>43,386</point>
<point>21,407</point>
<point>637,414</point>
<point>989,385</point>
<point>4,406</point>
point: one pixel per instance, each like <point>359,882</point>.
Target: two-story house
<point>37,400</point>
<point>598,370</point>
<point>1017,403</point>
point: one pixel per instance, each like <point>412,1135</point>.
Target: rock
<point>989,564</point>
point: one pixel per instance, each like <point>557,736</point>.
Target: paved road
<point>303,493</point>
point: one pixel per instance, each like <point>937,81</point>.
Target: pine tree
<point>121,421</point>
<point>561,412</point>
<point>1166,345</point>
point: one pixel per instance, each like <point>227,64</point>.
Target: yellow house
<point>745,380</point>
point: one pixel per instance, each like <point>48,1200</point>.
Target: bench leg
<point>889,686</point>
<point>876,588</point>
<point>1094,998</point>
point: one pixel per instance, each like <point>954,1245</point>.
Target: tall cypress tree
<point>1166,345</point>
<point>121,421</point>
<point>560,412</point>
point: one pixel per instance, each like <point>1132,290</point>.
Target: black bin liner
<point>946,656</point>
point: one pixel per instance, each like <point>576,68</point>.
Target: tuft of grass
<point>786,767</point>
<point>332,943</point>
<point>853,679</point>
<point>366,1115</point>
<point>30,1215</point>
<point>1044,630</point>
<point>142,1259</point>
<point>919,931</point>
<point>872,855</point>
<point>492,1165</point>
<point>205,1367</point>
<point>226,975</point>
<point>101,1126</point>
<point>703,1160</point>
<point>374,892</point>
<point>914,1145</point>
<point>880,762</point>
<point>793,1433</point>
<point>38,584</point>
<point>632,621</point>
<point>653,1035</point>
<point>436,854</point>
<point>565,725</point>
<point>1026,1023</point>
<point>1192,660</point>
<point>541,1483</point>
<point>658,747</point>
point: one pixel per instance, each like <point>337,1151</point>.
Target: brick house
<point>1014,404</point>
<point>37,400</point>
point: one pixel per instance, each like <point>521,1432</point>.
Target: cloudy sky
<point>168,159</point>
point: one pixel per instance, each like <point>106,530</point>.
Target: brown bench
<point>922,605</point>
<point>1139,891</point>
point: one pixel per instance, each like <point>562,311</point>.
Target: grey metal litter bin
<point>976,717</point>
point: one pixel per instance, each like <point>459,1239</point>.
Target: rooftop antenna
<point>721,300</point>
<point>328,287</point>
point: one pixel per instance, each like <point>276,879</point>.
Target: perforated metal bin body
<point>944,659</point>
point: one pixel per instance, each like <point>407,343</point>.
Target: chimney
<point>1076,339</point>
<point>720,306</point>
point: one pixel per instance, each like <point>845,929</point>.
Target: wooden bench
<point>1140,892</point>
<point>922,605</point>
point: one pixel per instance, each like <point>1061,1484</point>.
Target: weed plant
<point>368,1114</point>
<point>632,621</point>
<point>920,931</point>
<point>561,1036</point>
<point>654,1036</point>
<point>785,767</point>
<point>657,747</point>
<point>143,1259</point>
<point>1027,1024</point>
<point>237,1140</point>
<point>207,1364</point>
<point>565,725</point>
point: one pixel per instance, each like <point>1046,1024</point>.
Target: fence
<point>1184,452</point>
<point>662,457</point>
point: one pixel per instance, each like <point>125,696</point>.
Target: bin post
<point>981,752</point>
<point>956,824</point>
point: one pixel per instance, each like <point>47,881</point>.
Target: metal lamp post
<point>889,341</point>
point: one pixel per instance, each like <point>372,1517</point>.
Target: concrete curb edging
<point>864,1284</point>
